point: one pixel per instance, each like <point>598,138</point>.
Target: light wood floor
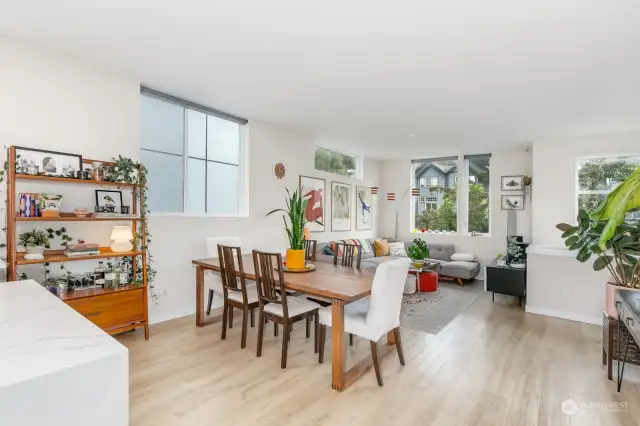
<point>493,365</point>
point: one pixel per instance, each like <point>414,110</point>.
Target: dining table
<point>339,284</point>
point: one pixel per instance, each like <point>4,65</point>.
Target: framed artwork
<point>364,213</point>
<point>50,163</point>
<point>512,183</point>
<point>340,206</point>
<point>313,189</point>
<point>512,202</point>
<point>109,201</point>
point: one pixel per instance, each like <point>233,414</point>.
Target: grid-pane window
<point>327,160</point>
<point>438,212</point>
<point>193,157</point>
<point>597,177</point>
<point>478,170</point>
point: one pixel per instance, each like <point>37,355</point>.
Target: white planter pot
<point>34,253</point>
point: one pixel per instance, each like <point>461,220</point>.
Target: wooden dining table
<point>342,285</point>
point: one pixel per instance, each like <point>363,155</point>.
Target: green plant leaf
<point>564,227</point>
<point>569,232</point>
<point>602,262</point>
<point>571,241</point>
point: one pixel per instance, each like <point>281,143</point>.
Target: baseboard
<point>563,315</point>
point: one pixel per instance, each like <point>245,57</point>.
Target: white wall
<point>54,102</point>
<point>397,178</point>
<point>554,177</point>
<point>178,240</point>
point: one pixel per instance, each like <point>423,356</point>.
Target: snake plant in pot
<point>296,205</point>
<point>614,241</point>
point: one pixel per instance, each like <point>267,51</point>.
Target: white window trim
<point>463,203</point>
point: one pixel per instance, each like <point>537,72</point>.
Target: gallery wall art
<point>313,189</point>
<point>364,209</point>
<point>340,206</point>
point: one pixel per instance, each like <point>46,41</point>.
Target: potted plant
<point>500,260</point>
<point>34,243</point>
<point>296,205</point>
<point>615,242</point>
<point>418,252</point>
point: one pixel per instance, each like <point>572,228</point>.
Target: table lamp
<point>121,236</point>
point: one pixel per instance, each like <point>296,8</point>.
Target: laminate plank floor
<point>492,365</point>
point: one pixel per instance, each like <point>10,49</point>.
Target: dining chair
<point>374,317</point>
<point>237,294</point>
<point>276,305</point>
<point>216,285</point>
<point>310,249</point>
<point>345,254</point>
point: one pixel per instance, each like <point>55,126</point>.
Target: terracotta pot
<point>295,259</point>
<point>611,298</point>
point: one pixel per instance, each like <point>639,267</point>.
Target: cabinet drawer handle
<point>92,314</point>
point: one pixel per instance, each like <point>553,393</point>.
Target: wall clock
<point>279,170</point>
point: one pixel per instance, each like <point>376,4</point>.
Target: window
<point>598,176</point>
<point>478,170</point>
<point>438,212</point>
<point>423,182</point>
<point>193,155</point>
<point>327,160</point>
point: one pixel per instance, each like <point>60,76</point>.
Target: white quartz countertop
<point>40,334</point>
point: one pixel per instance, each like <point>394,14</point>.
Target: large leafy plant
<point>296,205</point>
<point>616,249</point>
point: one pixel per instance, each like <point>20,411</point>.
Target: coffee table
<point>428,266</point>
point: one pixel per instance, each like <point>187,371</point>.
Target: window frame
<point>243,156</point>
<point>358,159</point>
<point>577,176</point>
<point>461,181</point>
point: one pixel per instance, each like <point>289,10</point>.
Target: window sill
<point>452,234</point>
<point>197,215</point>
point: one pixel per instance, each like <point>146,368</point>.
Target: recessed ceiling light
<point>410,135</point>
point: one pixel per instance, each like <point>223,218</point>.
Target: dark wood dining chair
<point>276,305</point>
<point>310,249</point>
<point>236,292</point>
<point>346,254</point>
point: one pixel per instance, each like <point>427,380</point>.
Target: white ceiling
<point>364,74</point>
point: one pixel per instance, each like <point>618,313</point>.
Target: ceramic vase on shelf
<point>295,259</point>
<point>34,252</point>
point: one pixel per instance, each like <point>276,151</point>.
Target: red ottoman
<point>428,281</point>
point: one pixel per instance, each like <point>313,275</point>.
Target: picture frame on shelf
<point>108,201</point>
<point>512,183</point>
<point>48,163</point>
<point>512,202</point>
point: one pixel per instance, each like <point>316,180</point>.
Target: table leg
<point>418,282</point>
<point>337,345</point>
<point>200,296</point>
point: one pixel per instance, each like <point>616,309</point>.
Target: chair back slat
<point>232,270</point>
<point>351,254</point>
<point>310,249</point>
<point>270,279</point>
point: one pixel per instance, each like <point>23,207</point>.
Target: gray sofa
<point>456,269</point>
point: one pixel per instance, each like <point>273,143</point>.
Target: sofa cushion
<point>441,251</point>
<point>397,249</point>
<point>460,269</point>
<point>381,248</point>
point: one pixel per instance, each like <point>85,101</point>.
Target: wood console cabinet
<point>506,280</point>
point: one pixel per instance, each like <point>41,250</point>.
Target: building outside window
<point>439,210</point>
<point>193,155</point>
<point>596,177</point>
<point>478,212</point>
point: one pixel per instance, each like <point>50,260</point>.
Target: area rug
<point>431,312</point>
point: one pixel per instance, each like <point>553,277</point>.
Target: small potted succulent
<point>500,260</point>
<point>418,251</point>
<point>34,242</point>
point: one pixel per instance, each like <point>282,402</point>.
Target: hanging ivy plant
<point>125,170</point>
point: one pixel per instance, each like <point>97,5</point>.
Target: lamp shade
<point>121,236</point>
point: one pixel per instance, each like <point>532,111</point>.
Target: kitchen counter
<point>56,367</point>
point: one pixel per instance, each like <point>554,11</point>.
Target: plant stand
<point>610,344</point>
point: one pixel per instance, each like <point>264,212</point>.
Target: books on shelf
<point>79,250</point>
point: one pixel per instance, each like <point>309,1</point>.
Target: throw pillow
<point>381,248</point>
<point>327,250</point>
<point>464,256</point>
<point>397,249</point>
<point>334,250</point>
<point>366,247</point>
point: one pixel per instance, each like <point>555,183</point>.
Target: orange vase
<point>295,259</point>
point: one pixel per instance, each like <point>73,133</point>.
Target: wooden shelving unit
<point>114,310</point>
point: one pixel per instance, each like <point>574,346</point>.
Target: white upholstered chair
<point>374,317</point>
